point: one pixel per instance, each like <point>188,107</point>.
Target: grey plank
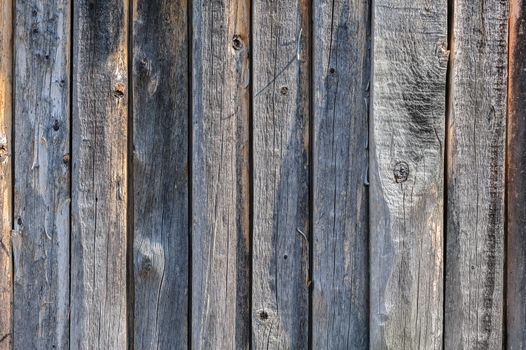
<point>476,155</point>
<point>341,68</point>
<point>407,173</point>
<point>6,184</point>
<point>42,177</point>
<point>220,175</point>
<point>281,32</point>
<point>99,178</point>
<point>516,179</point>
<point>160,174</point>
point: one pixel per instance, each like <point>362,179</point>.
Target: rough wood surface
<point>407,168</point>
<point>516,191</point>
<point>220,175</point>
<point>42,177</point>
<point>99,187</point>
<point>160,174</point>
<point>6,268</point>
<point>475,199</point>
<point>280,308</point>
<point>340,301</point>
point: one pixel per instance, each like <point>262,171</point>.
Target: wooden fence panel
<point>516,176</point>
<point>281,158</point>
<point>99,178</point>
<point>476,148</point>
<point>160,174</point>
<point>340,307</point>
<point>42,175</point>
<point>220,175</point>
<point>407,170</point>
<point>6,158</point>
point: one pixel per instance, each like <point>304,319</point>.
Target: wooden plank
<point>406,169</point>
<point>42,177</point>
<point>516,178</point>
<point>281,235</point>
<point>475,176</point>
<point>99,183</point>
<point>160,174</point>
<point>220,175</point>
<point>6,267</point>
<point>340,299</point>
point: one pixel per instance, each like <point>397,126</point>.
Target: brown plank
<point>340,299</point>
<point>516,176</point>
<point>220,175</point>
<point>99,179</point>
<point>6,268</point>
<point>407,173</point>
<point>42,177</point>
<point>474,292</point>
<point>160,174</point>
<point>280,310</point>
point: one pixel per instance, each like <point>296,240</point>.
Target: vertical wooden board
<point>407,170</point>
<point>516,191</point>
<point>280,308</point>
<point>160,173</point>
<point>341,68</point>
<point>476,151</point>
<point>6,268</point>
<point>42,176</point>
<point>220,175</point>
<point>99,178</point>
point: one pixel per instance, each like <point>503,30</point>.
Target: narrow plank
<point>42,177</point>
<point>6,268</point>
<point>476,152</point>
<point>516,176</point>
<point>220,175</point>
<point>341,69</point>
<point>99,182</point>
<point>160,173</point>
<point>406,169</point>
<point>280,309</point>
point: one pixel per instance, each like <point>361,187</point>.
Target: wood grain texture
<point>406,169</point>
<point>220,175</point>
<point>516,179</point>
<point>160,174</point>
<point>476,152</point>
<point>341,69</point>
<point>280,310</point>
<point>99,183</point>
<point>42,178</point>
<point>6,103</point>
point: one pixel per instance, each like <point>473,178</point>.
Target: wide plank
<point>160,174</point>
<point>281,159</point>
<point>99,178</point>
<point>407,173</point>
<point>341,68</point>
<point>474,293</point>
<point>6,186</point>
<point>220,175</point>
<point>42,174</point>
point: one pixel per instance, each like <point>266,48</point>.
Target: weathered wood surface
<point>160,174</point>
<point>281,232</point>
<point>220,175</point>
<point>99,179</point>
<point>407,168</point>
<point>340,300</point>
<point>42,176</point>
<point>6,155</point>
<point>516,191</point>
<point>475,176</point>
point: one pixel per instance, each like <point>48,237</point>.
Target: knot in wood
<point>237,43</point>
<point>66,158</point>
<point>3,153</point>
<point>119,90</point>
<point>284,91</point>
<point>146,265</point>
<point>401,172</point>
